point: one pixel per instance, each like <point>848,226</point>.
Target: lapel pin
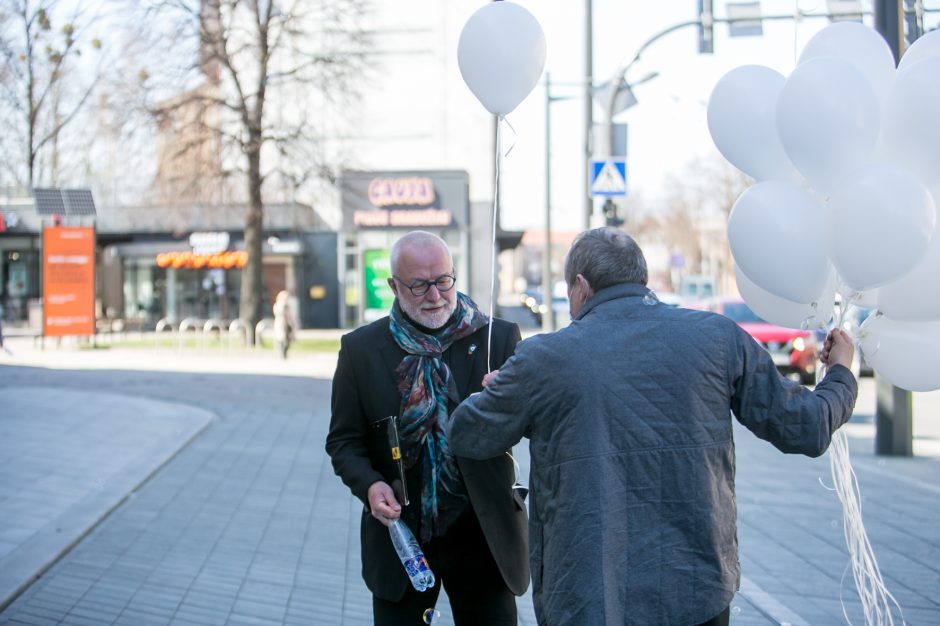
<point>472,348</point>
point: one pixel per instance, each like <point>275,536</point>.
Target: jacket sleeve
<point>788,415</point>
<point>346,441</point>
<point>488,423</point>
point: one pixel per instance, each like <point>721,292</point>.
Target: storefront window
<point>206,293</point>
<point>144,285</point>
<point>20,283</point>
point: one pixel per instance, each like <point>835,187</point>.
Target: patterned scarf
<point>426,385</point>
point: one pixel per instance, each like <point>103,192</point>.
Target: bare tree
<point>257,73</point>
<point>694,221</point>
<point>46,81</point>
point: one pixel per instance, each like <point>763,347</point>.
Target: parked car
<point>794,351</point>
<point>531,299</point>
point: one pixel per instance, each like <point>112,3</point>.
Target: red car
<point>793,350</point>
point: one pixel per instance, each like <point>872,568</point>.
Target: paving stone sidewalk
<point>64,470</point>
<point>246,524</point>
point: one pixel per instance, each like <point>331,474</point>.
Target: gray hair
<point>605,257</point>
<point>416,239</point>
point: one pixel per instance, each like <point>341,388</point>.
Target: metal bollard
<point>239,328</point>
<point>260,328</point>
<point>163,325</point>
<point>187,324</point>
<point>211,325</point>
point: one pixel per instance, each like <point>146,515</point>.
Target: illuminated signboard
<point>190,260</point>
<point>377,269</point>
<point>68,281</point>
<point>372,200</point>
<point>404,191</point>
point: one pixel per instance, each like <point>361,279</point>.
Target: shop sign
<point>205,243</point>
<point>405,200</point>
<point>190,260</point>
<point>403,191</point>
<point>403,218</point>
<point>377,269</point>
<point>68,281</point>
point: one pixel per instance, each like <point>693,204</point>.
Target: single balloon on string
<point>501,54</point>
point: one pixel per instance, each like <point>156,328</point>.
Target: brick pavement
<point>248,525</point>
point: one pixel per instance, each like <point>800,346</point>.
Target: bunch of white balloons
<point>846,152</point>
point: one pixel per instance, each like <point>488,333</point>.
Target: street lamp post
<point>548,316</point>
<point>894,415</point>
<point>588,108</point>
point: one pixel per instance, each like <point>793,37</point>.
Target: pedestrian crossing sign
<point>609,177</point>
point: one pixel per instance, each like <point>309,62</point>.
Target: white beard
<point>432,319</point>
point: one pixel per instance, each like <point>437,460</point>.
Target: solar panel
<point>48,201</point>
<point>78,202</point>
<point>51,201</point>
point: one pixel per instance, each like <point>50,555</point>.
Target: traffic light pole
<point>894,416</point>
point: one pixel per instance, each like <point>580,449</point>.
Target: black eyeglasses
<point>421,287</point>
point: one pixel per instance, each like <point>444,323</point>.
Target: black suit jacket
<point>365,390</point>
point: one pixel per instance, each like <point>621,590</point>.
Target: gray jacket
<point>628,415</point>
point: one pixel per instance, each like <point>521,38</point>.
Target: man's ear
<point>586,290</point>
<point>393,286</point>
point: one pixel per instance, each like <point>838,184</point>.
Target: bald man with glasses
<point>399,378</point>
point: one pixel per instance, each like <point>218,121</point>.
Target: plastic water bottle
<point>416,566</point>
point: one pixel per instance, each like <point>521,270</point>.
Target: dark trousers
<point>719,620</point>
<point>463,565</point>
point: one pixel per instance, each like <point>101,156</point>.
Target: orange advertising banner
<point>68,281</point>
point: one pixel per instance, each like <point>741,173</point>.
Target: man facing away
<point>628,414</point>
<point>412,368</point>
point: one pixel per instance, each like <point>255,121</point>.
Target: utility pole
<point>548,317</point>
<point>894,430</point>
<point>588,109</point>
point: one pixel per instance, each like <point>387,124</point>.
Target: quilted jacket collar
<point>614,292</point>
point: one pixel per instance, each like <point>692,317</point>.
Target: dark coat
<point>364,392</point>
<point>628,412</point>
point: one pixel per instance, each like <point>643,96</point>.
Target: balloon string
<point>513,144</point>
<point>489,338</point>
<point>878,603</point>
<point>875,598</point>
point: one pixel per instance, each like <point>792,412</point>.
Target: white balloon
<point>742,122</point>
<point>861,46</point>
<point>906,354</point>
<point>501,54</point>
<point>867,299</point>
<point>911,131</point>
<point>879,225</point>
<point>926,45</point>
<point>776,238</point>
<point>916,295</point>
<point>828,118</point>
<point>782,312</point>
